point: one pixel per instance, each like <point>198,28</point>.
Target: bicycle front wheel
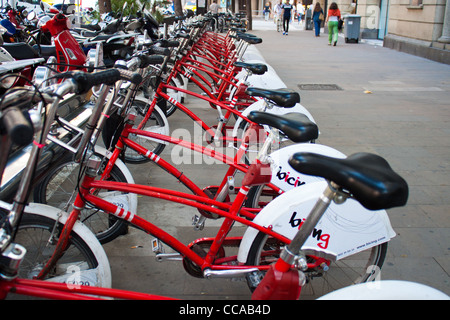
<point>59,189</point>
<point>80,264</point>
<point>154,124</point>
<point>358,268</point>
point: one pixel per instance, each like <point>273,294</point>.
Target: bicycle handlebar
<point>16,125</point>
<point>85,81</point>
<point>169,43</point>
<point>182,35</point>
<point>133,77</point>
<point>160,50</point>
<point>145,60</point>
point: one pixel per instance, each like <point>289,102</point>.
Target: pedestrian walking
<point>287,9</point>
<point>333,17</point>
<point>300,12</point>
<point>266,11</point>
<point>214,9</point>
<point>277,14</point>
<point>317,18</point>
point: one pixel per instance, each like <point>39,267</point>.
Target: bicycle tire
<point>177,95</point>
<point>63,177</point>
<point>83,262</point>
<point>157,122</point>
<point>340,274</point>
<point>259,196</point>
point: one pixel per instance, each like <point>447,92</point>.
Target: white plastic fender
<point>252,53</point>
<point>130,198</point>
<point>164,130</point>
<point>287,178</point>
<point>344,229</point>
<point>259,106</point>
<point>178,95</point>
<point>268,80</point>
<point>387,290</point>
<point>103,271</point>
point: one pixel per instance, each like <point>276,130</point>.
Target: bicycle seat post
<point>264,151</point>
<point>20,198</point>
<point>282,281</point>
<point>292,252</point>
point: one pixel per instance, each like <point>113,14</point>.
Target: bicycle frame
<point>219,68</point>
<point>200,200</point>
<point>233,163</point>
<point>63,291</point>
<point>230,212</point>
<point>215,57</point>
<point>209,129</point>
<point>228,81</point>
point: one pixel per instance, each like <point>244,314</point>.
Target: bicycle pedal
<point>157,246</point>
<point>198,222</point>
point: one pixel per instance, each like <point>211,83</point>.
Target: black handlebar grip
<point>169,43</point>
<point>86,81</point>
<point>160,50</point>
<point>182,35</point>
<point>17,126</point>
<point>148,60</point>
<point>133,77</point>
<point>173,43</point>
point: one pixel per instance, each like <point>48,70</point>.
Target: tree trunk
<point>104,6</point>
<point>178,8</point>
<point>249,13</point>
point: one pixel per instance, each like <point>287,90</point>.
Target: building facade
<point>419,27</point>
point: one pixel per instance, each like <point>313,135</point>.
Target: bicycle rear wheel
<point>358,268</point>
<point>259,196</point>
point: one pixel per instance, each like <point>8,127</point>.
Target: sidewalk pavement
<point>364,97</point>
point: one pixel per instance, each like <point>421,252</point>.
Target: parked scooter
<point>65,47</point>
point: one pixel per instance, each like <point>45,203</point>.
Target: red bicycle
<point>365,177</point>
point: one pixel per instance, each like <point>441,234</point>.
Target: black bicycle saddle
<point>368,177</point>
<point>255,68</point>
<point>251,39</point>
<point>296,126</point>
<point>283,97</point>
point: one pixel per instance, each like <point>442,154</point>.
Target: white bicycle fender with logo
<point>132,199</point>
<point>344,229</point>
<point>284,176</point>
